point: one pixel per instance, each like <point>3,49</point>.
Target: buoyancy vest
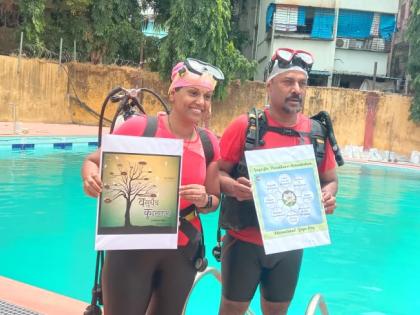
<point>237,215</point>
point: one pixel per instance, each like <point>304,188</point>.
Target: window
<point>308,20</point>
<point>315,22</point>
<point>285,18</point>
<point>354,24</point>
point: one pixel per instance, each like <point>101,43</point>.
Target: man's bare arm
<point>329,188</point>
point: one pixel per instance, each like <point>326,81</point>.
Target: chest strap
<point>186,212</point>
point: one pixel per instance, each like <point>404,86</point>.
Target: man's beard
<point>294,98</point>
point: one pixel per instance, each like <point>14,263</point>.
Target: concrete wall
<point>90,85</point>
<point>240,99</point>
<point>38,88</point>
<point>263,39</point>
<point>247,23</point>
<point>392,130</point>
<point>309,3</point>
<point>383,6</point>
<point>45,93</point>
<point>347,110</point>
<point>360,61</point>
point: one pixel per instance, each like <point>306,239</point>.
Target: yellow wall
<point>392,129</point>
<point>39,90</point>
<point>346,108</point>
<point>240,99</point>
<point>90,84</point>
<point>44,92</point>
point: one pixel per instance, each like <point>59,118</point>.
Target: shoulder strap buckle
<point>257,126</point>
<point>321,123</point>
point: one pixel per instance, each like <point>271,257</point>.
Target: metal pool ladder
<point>317,301</point>
<point>212,272</point>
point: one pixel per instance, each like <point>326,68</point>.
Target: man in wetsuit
<point>244,263</point>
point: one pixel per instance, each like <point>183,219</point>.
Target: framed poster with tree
<point>139,204</point>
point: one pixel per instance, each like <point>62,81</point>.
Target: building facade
<point>350,39</point>
<point>401,47</point>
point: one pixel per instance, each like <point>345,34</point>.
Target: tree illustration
<point>129,183</point>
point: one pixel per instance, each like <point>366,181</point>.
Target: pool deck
<point>404,165</point>
<point>7,129</point>
<point>38,300</point>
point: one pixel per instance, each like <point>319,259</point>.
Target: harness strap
<point>207,145</point>
<point>195,249</point>
<point>258,126</point>
<point>189,230</point>
<point>186,211</point>
<point>290,132</point>
<point>151,126</point>
<point>318,138</point>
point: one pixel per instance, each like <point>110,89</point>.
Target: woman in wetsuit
<point>158,281</point>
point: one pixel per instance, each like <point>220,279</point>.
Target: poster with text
<point>139,204</point>
<point>287,197</point>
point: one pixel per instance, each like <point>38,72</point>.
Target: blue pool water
<point>372,267</point>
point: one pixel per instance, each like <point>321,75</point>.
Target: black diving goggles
<point>200,67</point>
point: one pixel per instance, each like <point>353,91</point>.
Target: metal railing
<point>212,272</point>
<point>317,301</point>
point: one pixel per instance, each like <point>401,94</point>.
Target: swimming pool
<point>47,236</point>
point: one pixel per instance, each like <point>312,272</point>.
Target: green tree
<point>115,29</point>
<point>106,30</point>
<point>200,29</point>
<point>103,29</point>
<point>33,25</point>
<point>414,59</point>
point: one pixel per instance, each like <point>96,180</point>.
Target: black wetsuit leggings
<point>133,278</point>
<point>245,265</point>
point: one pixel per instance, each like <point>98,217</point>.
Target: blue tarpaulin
<point>354,24</point>
<point>387,26</point>
<point>301,16</point>
<point>269,16</point>
<point>323,24</point>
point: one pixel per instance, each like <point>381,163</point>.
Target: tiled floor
<point>38,301</point>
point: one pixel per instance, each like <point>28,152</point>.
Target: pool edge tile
<point>39,300</point>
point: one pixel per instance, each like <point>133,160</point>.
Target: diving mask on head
<point>200,67</point>
<point>286,59</point>
<point>194,72</point>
